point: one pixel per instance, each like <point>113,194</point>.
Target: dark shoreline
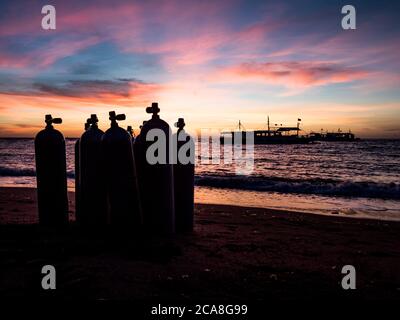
<point>362,139</point>
<point>235,253</point>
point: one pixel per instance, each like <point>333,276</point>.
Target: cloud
<point>298,75</point>
<point>27,126</point>
<point>39,57</point>
<point>126,91</point>
<point>86,88</point>
<point>122,91</point>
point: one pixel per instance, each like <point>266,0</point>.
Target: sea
<point>352,179</point>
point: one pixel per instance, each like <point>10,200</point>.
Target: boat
<point>273,135</point>
<point>333,136</point>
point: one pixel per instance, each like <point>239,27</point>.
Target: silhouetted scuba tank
<point>184,155</point>
<point>136,151</point>
<point>131,133</point>
<point>77,184</point>
<point>51,174</point>
<point>93,193</point>
<point>155,179</point>
<point>120,173</point>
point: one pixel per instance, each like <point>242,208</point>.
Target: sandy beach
<point>235,253</point>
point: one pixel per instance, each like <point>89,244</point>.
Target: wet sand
<point>235,253</point>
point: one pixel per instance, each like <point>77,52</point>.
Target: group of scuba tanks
<point>115,184</point>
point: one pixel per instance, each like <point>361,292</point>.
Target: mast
<point>268,126</point>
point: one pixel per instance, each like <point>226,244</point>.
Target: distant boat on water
<point>333,136</point>
<point>276,134</point>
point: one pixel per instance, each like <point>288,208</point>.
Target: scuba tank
<point>155,179</point>
<point>136,152</point>
<point>51,175</point>
<point>77,184</point>
<point>120,172</point>
<point>184,155</point>
<point>131,133</point>
<point>93,194</point>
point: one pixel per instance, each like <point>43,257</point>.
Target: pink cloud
<point>294,75</point>
<point>103,19</point>
<point>26,18</point>
<point>76,29</point>
<point>181,33</point>
<point>192,34</point>
<point>8,60</point>
<point>63,48</point>
<point>204,45</point>
<point>42,57</point>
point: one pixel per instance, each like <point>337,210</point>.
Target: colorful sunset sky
<point>211,62</point>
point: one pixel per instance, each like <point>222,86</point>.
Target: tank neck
<point>49,126</point>
<point>155,116</point>
<point>114,124</point>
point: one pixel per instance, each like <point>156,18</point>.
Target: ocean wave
<point>24,172</point>
<point>12,172</point>
<point>324,187</point>
<point>311,186</point>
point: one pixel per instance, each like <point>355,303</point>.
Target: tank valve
<point>93,119</point>
<point>154,109</point>
<point>49,119</point>
<point>87,124</point>
<point>114,117</point>
<point>180,124</point>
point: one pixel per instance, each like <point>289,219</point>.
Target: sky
<point>211,62</point>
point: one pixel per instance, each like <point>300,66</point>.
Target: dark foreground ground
<point>234,254</point>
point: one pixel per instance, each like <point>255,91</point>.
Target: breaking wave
<point>311,186</point>
<point>272,184</point>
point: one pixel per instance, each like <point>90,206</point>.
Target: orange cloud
<point>127,92</point>
<point>22,112</point>
<point>22,115</point>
